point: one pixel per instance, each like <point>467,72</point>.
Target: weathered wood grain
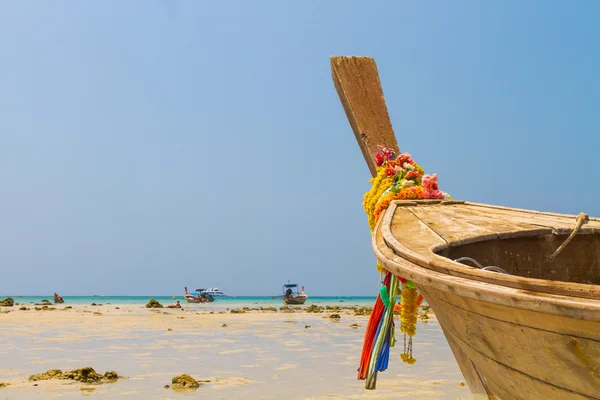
<point>357,83</point>
<point>540,354</point>
<point>553,305</point>
<point>450,223</point>
<point>461,226</point>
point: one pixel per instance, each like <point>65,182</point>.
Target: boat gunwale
<point>446,265</point>
<point>594,219</point>
<point>492,288</point>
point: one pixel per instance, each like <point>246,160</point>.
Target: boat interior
<point>579,261</point>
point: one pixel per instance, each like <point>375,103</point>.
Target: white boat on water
<point>214,292</point>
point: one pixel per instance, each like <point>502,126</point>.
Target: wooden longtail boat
<point>526,328</point>
<point>291,294</point>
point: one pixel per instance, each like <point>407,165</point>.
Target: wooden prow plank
<point>357,82</point>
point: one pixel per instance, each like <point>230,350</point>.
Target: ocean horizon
<point>233,301</point>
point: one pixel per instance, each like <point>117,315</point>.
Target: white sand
<point>258,355</point>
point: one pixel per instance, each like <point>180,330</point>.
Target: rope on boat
<point>581,219</point>
<point>494,268</point>
<point>474,261</point>
<point>488,268</point>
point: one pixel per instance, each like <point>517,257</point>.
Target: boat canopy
<point>290,285</point>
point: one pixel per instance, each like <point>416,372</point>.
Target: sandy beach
<point>255,354</point>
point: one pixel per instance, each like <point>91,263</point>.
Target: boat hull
<point>192,299</point>
<point>300,299</point>
<point>509,354</point>
<point>510,343</point>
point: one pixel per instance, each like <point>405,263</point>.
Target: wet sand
<point>257,355</point>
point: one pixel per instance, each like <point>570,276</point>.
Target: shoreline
<point>246,300</point>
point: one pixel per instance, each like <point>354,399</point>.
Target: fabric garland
<point>397,178</point>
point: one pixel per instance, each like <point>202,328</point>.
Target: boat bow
<point>530,333</point>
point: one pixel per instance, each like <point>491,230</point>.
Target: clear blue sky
<point>151,145</point>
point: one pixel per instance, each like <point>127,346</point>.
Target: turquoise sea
<point>225,302</point>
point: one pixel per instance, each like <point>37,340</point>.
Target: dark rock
<point>153,304</point>
<point>334,316</point>
<point>50,374</point>
<point>83,375</point>
<point>111,375</point>
<point>7,302</point>
<point>313,308</point>
<point>362,311</point>
<point>184,382</point>
<point>23,308</point>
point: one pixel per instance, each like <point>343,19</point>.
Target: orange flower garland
<point>398,178</point>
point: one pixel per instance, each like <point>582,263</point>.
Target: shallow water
<point>220,303</point>
<point>257,355</point>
